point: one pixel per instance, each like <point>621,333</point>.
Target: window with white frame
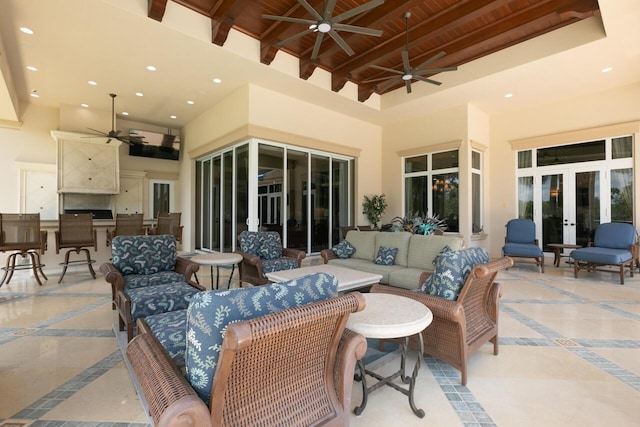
<point>161,196</point>
<point>476,192</point>
<point>431,186</point>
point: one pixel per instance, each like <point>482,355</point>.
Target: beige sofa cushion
<point>365,244</point>
<point>399,240</point>
<point>423,249</point>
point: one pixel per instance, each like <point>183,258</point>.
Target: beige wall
<point>617,105</point>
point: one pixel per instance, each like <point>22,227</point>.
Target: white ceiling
<point>112,41</point>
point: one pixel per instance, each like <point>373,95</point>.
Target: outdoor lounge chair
<point>521,242</point>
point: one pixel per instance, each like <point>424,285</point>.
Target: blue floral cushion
<point>171,330</point>
<point>134,281</point>
<point>250,242</point>
<point>160,299</point>
<point>144,254</point>
<point>451,271</point>
<point>270,245</point>
<point>344,249</point>
<point>386,256</point>
<point>211,311</point>
<point>271,265</point>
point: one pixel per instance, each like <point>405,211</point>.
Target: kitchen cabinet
<point>130,198</point>
<point>38,192</point>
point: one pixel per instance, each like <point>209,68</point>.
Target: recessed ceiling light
<point>217,80</point>
<point>34,94</point>
<point>124,113</point>
<point>84,105</point>
<point>508,95</point>
<point>173,117</point>
<point>607,69</point>
<point>26,30</point>
<point>151,68</point>
<point>92,83</point>
<point>31,68</point>
<point>190,102</point>
<point>139,94</point>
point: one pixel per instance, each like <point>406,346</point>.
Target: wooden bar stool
<point>76,233</point>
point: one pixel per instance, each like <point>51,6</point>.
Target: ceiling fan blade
<point>407,83</point>
<point>357,30</point>
<point>391,70</point>
<point>424,79</point>
<point>356,11</point>
<point>311,10</point>
<point>430,60</point>
<point>108,141</point>
<point>392,81</point>
<point>98,131</point>
<point>326,14</point>
<point>335,36</point>
<point>406,67</point>
<point>293,37</point>
<point>434,70</point>
<point>289,19</point>
<point>316,46</point>
<point>378,79</point>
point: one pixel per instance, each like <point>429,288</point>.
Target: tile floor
<point>569,356</point>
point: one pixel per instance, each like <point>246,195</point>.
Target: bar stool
<point>126,225</point>
<point>21,233</point>
<point>168,223</point>
<point>77,233</point>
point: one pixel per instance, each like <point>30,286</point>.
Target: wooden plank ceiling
<point>464,30</point>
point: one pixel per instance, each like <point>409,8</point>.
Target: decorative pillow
<point>250,242</point>
<point>386,256</point>
<point>451,271</point>
<point>344,249</point>
<point>144,254</point>
<point>270,245</point>
<point>445,248</point>
<point>210,312</point>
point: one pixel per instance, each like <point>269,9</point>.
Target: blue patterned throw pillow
<point>144,254</point>
<point>386,256</point>
<point>270,245</point>
<point>344,249</point>
<point>210,312</point>
<point>451,271</point>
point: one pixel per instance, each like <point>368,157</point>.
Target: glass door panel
<point>242,190</point>
<point>553,209</point>
<point>296,200</point>
<point>270,180</point>
<point>320,179</point>
<point>216,183</point>
<point>587,206</point>
<point>227,200</point>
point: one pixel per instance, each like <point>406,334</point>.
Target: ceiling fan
<point>408,74</point>
<point>115,134</point>
<point>325,23</point>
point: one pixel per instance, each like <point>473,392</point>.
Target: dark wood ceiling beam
<point>156,9</point>
<point>223,14</point>
<point>526,18</point>
<point>430,28</point>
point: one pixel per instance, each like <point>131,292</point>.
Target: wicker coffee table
<point>391,316</point>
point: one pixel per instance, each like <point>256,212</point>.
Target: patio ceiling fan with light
<point>326,23</point>
<point>115,134</point>
<point>408,73</point>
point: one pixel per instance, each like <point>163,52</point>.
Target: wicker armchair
<point>461,327</point>
<point>292,367</point>
<point>262,252</point>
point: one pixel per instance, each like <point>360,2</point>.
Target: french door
<point>571,204</point>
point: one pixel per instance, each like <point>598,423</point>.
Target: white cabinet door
<point>38,190</point>
<point>130,198</point>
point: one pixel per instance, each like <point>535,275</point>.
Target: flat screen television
<point>156,145</point>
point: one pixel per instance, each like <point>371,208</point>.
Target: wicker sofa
<point>415,255</point>
<point>273,354</point>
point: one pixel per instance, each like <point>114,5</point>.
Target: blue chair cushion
<point>615,235</point>
<point>144,254</point>
<point>386,256</point>
<point>134,281</point>
<point>270,245</point>
<point>211,311</point>
<point>250,242</point>
<point>451,271</point>
<point>271,265</point>
<point>522,249</point>
<point>521,231</point>
<point>344,249</point>
<point>171,330</point>
<point>601,255</point>
<point>160,299</point>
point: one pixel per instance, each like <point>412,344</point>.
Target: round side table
<point>391,316</point>
<point>218,259</point>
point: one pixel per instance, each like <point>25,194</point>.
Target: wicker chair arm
<point>423,278</point>
<point>296,254</point>
<point>170,398</point>
<point>441,308</point>
<point>328,254</point>
<point>187,268</point>
<point>495,293</point>
<point>352,347</point>
<point>251,259</point>
<point>112,275</point>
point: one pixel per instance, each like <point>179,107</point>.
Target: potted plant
<point>373,207</point>
<point>417,224</point>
